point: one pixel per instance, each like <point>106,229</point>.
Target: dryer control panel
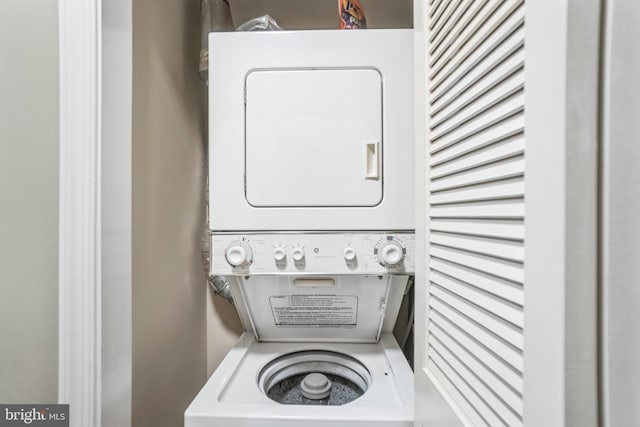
<point>313,253</point>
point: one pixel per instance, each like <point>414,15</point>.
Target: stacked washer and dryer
<point>312,214</point>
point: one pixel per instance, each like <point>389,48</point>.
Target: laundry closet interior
<point>181,330</point>
<point>379,214</point>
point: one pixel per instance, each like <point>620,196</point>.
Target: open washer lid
<point>350,308</point>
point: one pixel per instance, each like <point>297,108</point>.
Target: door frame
<point>79,350</point>
<point>94,305</point>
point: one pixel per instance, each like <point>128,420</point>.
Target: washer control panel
<point>312,253</point>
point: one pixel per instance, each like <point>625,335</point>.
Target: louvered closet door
<point>475,58</point>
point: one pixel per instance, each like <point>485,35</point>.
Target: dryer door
<point>310,132</point>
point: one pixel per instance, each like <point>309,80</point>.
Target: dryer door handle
<point>371,160</point>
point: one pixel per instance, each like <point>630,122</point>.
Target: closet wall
<point>169,287</point>
<point>322,14</point>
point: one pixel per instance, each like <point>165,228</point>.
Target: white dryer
<point>311,130</point>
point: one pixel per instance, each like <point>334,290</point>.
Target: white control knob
<point>298,254</point>
<point>349,254</point>
<point>239,254</point>
<point>390,252</point>
<point>279,254</point>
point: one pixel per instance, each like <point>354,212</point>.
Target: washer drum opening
<point>283,379</point>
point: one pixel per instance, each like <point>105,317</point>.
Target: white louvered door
<point>506,339</point>
<point>475,275</point>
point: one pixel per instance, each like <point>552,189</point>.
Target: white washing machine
<point>318,348</point>
<point>235,395</point>
<point>311,210</point>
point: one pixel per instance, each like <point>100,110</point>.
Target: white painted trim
<point>421,161</point>
<point>80,223</point>
<point>561,71</point>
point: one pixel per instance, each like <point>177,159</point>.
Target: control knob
<point>390,252</point>
<point>298,254</point>
<point>279,254</point>
<point>239,253</point>
<point>349,254</point>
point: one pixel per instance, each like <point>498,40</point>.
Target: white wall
<point>620,220</point>
<point>29,201</point>
<point>116,213</point>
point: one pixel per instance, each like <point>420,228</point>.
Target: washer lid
<point>310,132</point>
<point>311,308</point>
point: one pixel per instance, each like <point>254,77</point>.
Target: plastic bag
<point>261,23</point>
